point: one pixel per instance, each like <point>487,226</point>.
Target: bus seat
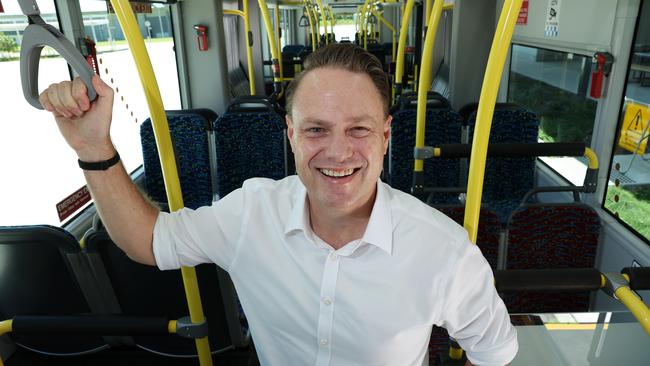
<point>190,132</point>
<point>438,346</point>
<point>293,50</point>
<point>489,230</point>
<point>507,180</point>
<point>40,270</point>
<point>145,290</point>
<point>551,236</point>
<point>443,126</point>
<point>250,142</point>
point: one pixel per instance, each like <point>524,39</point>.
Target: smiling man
<point>332,267</point>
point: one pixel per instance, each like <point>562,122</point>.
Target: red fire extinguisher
<point>604,61</point>
<point>202,36</point>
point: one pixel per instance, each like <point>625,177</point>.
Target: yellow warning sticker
<point>634,131</point>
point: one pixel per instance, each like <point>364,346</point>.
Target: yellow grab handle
<point>636,306</point>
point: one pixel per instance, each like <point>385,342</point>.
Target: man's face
<point>339,135</point>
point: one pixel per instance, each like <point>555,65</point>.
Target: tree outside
<point>7,47</point>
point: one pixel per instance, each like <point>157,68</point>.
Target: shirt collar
<point>379,231</point>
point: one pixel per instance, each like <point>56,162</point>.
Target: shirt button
<point>327,302</point>
<point>334,256</point>
<point>323,342</point>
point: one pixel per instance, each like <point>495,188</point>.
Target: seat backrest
<point>190,137</point>
<point>37,277</point>
<point>145,290</point>
<point>507,180</point>
<point>250,142</point>
<point>551,236</point>
<point>489,230</point>
<point>443,126</point>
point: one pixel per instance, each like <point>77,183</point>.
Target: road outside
<point>39,169</point>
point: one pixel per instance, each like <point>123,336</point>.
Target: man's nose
<point>340,148</point>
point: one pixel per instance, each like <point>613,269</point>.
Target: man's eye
<point>314,131</point>
<point>360,131</point>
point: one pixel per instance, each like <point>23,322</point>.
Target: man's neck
<point>338,228</point>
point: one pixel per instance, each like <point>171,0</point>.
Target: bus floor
<point>116,356</point>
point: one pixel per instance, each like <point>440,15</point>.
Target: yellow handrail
<point>233,12</point>
<point>275,64</point>
<point>425,79</point>
<point>311,27</point>
<point>276,12</point>
<point>591,158</point>
<point>329,10</point>
<point>392,29</point>
<point>322,15</point>
<point>401,47</point>
<point>364,24</point>
<point>249,44</point>
<point>635,305</point>
<point>489,90</point>
<point>249,49</point>
<point>5,327</point>
<point>160,126</point>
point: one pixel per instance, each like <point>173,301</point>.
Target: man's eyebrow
<point>362,118</point>
<point>317,121</point>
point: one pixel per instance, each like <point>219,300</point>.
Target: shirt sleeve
<point>475,315</point>
<point>208,234</point>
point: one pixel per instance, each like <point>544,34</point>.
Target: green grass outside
<point>633,207</point>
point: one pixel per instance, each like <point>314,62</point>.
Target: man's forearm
<point>127,215</point>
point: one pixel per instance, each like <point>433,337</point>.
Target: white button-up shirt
<point>371,302</point>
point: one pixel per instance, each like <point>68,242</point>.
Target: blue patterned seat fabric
<point>507,180</point>
<point>189,133</point>
<point>443,126</point>
<point>249,144</point>
<point>551,236</point>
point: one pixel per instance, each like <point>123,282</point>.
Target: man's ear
<point>290,130</point>
<point>387,124</point>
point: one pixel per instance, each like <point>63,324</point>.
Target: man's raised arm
<point>127,215</point>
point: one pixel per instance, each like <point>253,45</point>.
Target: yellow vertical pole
<point>249,48</point>
<point>401,46</point>
<point>489,90</point>
<point>426,78</point>
<point>364,24</point>
<point>311,27</point>
<point>274,51</point>
<point>322,15</point>
<point>278,37</point>
<point>329,10</point>
<point>160,126</point>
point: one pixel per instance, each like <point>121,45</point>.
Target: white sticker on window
<point>552,18</point>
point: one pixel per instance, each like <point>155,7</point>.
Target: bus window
<point>39,169</point>
<point>628,191</point>
<point>117,68</point>
<point>555,85</point>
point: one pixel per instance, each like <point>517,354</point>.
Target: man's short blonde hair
<point>348,57</point>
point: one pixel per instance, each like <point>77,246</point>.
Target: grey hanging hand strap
<point>37,35</point>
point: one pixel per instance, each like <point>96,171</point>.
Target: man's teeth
<point>337,173</point>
